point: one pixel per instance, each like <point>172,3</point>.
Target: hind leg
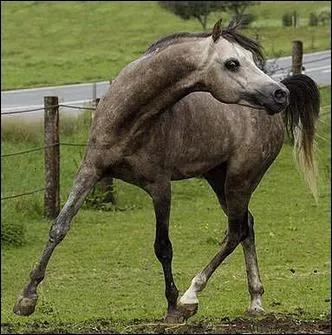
<point>242,231</point>
<point>216,179</point>
<point>255,286</point>
<point>237,232</point>
<point>27,299</point>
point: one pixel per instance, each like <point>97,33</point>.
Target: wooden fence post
<point>52,157</point>
<point>95,104</point>
<point>297,56</point>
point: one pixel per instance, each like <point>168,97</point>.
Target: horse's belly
<point>190,167</point>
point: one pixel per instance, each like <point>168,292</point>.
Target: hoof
<point>25,305</point>
<point>174,317</point>
<point>187,310</point>
<point>182,313</point>
<point>255,311</point>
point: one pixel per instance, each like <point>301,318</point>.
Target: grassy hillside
<point>106,271</point>
<point>54,42</point>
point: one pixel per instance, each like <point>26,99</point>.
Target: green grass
<point>106,268</point>
<point>53,42</point>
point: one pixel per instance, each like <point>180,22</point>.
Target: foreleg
<point>27,299</point>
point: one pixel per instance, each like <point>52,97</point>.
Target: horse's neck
<point>153,82</point>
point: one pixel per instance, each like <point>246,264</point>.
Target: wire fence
<point>272,67</point>
<point>42,108</point>
<point>41,148</point>
<point>22,194</point>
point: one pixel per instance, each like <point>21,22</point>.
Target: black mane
<point>230,33</point>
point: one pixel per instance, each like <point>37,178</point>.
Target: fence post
<point>52,157</point>
<point>297,56</point>
<point>95,104</point>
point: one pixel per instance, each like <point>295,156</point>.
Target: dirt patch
<point>269,324</point>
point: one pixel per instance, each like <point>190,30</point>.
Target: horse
<point>150,129</point>
<point>247,142</point>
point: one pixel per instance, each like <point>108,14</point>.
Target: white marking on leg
<point>254,283</point>
<point>256,304</point>
<point>197,285</point>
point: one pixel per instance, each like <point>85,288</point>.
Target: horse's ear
<point>216,32</point>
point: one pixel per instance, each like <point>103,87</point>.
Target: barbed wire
<point>275,68</point>
<point>73,144</point>
<point>77,107</point>
<point>43,108</point>
<point>29,150</point>
<point>22,194</point>
<point>42,148</point>
<point>25,111</point>
<point>316,60</point>
<point>34,150</point>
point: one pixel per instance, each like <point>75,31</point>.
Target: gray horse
<point>143,133</point>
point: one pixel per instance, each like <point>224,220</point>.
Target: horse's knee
<point>163,250</point>
<point>56,236</point>
<point>245,232</point>
<point>240,227</point>
<point>58,231</point>
<point>250,228</point>
<point>256,289</point>
<point>172,294</point>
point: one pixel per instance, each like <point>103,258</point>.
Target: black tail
<point>300,120</point>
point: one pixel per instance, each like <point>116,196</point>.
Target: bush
<point>12,233</point>
<point>313,19</point>
<point>102,196</point>
<point>15,213</point>
<point>324,16</point>
<point>246,19</point>
<point>287,20</point>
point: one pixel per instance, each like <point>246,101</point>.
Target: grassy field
<point>105,272</point>
<point>50,42</point>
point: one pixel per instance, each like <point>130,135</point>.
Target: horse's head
<point>234,77</point>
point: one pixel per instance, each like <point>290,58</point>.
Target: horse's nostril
<point>280,95</point>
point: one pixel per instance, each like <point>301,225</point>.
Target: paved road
<point>317,66</point>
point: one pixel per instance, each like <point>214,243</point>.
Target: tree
<point>199,10</point>
<point>238,7</point>
<point>324,16</point>
<point>313,19</point>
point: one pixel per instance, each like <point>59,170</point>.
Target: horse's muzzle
<point>281,96</point>
<point>279,101</point>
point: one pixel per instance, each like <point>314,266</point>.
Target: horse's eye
<point>232,65</point>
